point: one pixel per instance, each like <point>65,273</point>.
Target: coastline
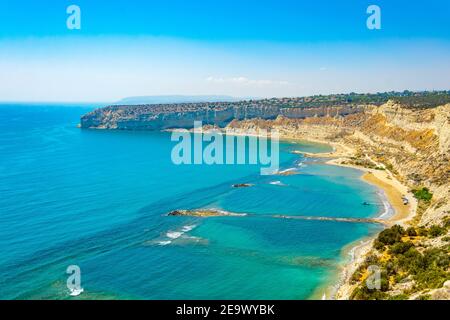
<point>340,288</point>
<point>392,190</point>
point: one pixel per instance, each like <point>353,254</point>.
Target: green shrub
<point>363,293</point>
<point>411,232</point>
<point>431,278</point>
<point>377,244</point>
<point>399,297</point>
<point>371,259</point>
<point>384,282</point>
<point>422,231</point>
<point>357,275</point>
<point>391,236</point>
<point>436,231</point>
<point>422,194</point>
<point>447,222</point>
<point>401,247</point>
<point>436,257</point>
<point>410,261</point>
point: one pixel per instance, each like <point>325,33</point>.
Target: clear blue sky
<point>241,48</point>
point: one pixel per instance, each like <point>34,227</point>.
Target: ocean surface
<point>99,200</point>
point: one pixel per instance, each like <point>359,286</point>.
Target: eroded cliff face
<point>170,116</point>
<point>413,143</point>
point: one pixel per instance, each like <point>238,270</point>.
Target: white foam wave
<point>174,234</point>
<point>287,170</point>
<point>188,228</point>
<point>277,183</point>
<point>388,211</point>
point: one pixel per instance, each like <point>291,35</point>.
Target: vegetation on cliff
<point>409,266</point>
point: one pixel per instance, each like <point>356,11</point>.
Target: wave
<point>173,235</point>
<point>388,211</point>
<point>286,170</point>
<point>188,228</point>
<point>277,183</point>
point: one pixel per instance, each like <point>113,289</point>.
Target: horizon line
<point>240,98</point>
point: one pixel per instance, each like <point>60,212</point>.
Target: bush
<point>377,244</point>
<point>422,232</point>
<point>436,231</point>
<point>391,269</point>
<point>423,194</point>
<point>410,261</point>
<point>371,259</point>
<point>436,258</point>
<point>399,297</point>
<point>362,292</point>
<point>357,275</point>
<point>401,247</point>
<point>392,235</point>
<point>447,222</point>
<point>433,278</point>
<point>411,232</point>
<point>424,297</point>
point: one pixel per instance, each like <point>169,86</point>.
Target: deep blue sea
<point>99,199</point>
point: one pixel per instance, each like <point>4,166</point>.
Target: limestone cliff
<point>413,143</point>
<point>170,116</point>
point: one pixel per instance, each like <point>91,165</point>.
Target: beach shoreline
<point>340,288</point>
<point>393,190</point>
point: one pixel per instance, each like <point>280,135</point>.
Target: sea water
<point>99,200</point>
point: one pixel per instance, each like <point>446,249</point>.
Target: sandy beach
<point>393,190</point>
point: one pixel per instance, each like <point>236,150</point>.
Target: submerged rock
<point>242,185</point>
<point>203,213</point>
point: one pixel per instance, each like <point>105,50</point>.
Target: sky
<point>241,48</point>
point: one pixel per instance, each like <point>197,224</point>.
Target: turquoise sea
<point>99,199</point>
